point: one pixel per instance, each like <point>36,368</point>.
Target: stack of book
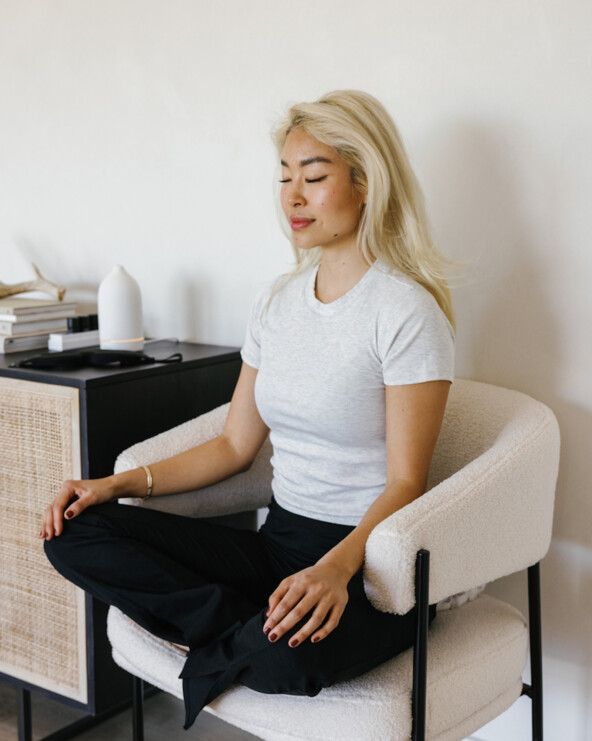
<point>26,323</point>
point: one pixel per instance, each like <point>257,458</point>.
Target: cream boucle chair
<point>487,513</point>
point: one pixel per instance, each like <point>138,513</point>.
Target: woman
<point>348,362</point>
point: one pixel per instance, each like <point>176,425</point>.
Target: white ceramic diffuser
<point>120,312</point>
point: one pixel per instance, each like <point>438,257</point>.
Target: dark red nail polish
<point>293,642</point>
<point>273,637</point>
<point>68,515</point>
<point>316,639</point>
<point>266,630</point>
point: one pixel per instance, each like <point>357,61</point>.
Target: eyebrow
<point>310,161</point>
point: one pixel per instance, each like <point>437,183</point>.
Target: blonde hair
<point>394,227</point>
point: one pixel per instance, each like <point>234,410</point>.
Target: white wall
<point>137,132</point>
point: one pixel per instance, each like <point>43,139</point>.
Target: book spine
<point>45,316</point>
<point>23,307</point>
<point>20,344</point>
<point>59,342</point>
<point>18,330</point>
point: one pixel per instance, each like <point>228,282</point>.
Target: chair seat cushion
<point>477,653</point>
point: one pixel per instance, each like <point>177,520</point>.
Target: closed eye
<point>312,180</point>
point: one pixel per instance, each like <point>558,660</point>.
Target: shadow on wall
<point>493,205</point>
<point>507,332</point>
<point>190,302</point>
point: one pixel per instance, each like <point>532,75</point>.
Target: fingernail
<point>316,639</point>
<point>68,515</point>
<point>273,637</point>
<point>266,630</point>
<point>293,642</point>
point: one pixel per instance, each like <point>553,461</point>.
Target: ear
<point>363,190</point>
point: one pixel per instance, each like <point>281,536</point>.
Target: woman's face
<point>320,202</point>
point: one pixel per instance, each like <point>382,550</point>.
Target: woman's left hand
<point>322,589</point>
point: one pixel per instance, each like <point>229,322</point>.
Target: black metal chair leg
<point>138,710</point>
<point>420,648</point>
<point>536,651</point>
<point>25,724</point>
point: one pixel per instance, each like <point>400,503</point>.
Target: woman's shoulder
<point>392,286</point>
<point>401,299</point>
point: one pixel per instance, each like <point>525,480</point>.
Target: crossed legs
<point>206,586</point>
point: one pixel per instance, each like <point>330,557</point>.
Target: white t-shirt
<point>321,383</point>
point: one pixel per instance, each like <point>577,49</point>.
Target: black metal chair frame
<point>420,649</point>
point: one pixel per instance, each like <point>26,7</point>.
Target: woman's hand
<point>322,589</point>
<point>73,498</point>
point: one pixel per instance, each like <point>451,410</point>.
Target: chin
<point>303,245</point>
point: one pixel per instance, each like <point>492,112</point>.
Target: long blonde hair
<point>394,227</point>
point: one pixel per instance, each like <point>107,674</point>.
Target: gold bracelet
<point>148,484</point>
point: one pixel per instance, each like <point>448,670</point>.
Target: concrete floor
<point>163,716</point>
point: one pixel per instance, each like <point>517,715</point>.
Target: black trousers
<point>206,586</point>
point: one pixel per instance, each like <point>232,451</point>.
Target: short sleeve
<point>417,346</point>
<point>251,349</point>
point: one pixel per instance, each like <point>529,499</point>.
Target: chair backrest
<point>488,510</point>
<point>480,417</point>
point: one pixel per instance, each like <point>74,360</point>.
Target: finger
<point>52,516</point>
<point>48,531</point>
<point>42,526</point>
<point>44,529</point>
<point>57,519</point>
<point>59,505</point>
<point>277,596</point>
<point>294,616</point>
<point>329,625</point>
<point>291,598</point>
<point>279,612</point>
<point>317,618</point>
<point>76,507</point>
<point>48,523</point>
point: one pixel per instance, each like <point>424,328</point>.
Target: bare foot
<point>178,646</point>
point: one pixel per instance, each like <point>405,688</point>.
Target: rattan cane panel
<point>42,616</point>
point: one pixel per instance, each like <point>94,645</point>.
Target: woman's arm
<point>414,416</point>
<point>232,451</point>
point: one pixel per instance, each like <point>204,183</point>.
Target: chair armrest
<point>489,519</point>
<point>245,491</point>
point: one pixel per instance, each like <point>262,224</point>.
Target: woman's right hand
<point>72,499</point>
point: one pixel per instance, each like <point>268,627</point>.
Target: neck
<point>339,258</point>
<point>339,272</point>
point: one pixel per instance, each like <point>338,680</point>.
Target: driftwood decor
<point>39,284</point>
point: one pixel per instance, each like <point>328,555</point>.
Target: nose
<point>294,196</point>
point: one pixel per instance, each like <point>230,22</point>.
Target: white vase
<point>120,312</point>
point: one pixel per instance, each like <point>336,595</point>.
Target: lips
<point>298,222</point>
